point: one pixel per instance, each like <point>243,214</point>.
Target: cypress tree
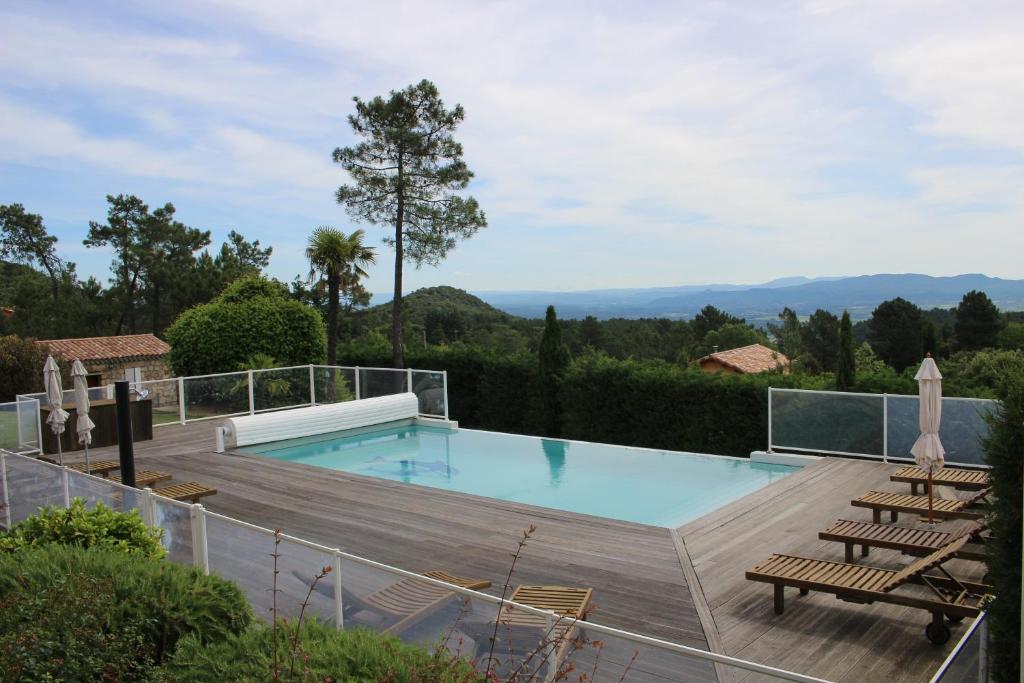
<point>1003,448</point>
<point>553,357</point>
<point>846,367</point>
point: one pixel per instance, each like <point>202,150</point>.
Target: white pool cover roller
<point>292,424</point>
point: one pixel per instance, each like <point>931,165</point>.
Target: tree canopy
<point>978,322</point>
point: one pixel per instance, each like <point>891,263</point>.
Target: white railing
<point>179,400</point>
<point>882,426</point>
<point>241,551</point>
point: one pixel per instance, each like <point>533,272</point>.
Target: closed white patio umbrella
<point>927,450</point>
<point>83,423</point>
<point>55,400</point>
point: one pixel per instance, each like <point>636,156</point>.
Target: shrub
<point>99,527</point>
<point>1003,450</point>
<point>60,593</point>
<point>324,653</point>
<point>250,317</point>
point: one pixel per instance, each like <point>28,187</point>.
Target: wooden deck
<point>642,576</point>
<point>817,635</point>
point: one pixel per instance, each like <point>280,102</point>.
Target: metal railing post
<point>444,384</point>
<point>357,382</point>
<point>312,386</point>
<point>200,553</point>
<point>983,650</point>
<point>550,621</point>
<point>148,511</point>
<point>339,606</point>
<point>885,428</point>
<point>408,379</point>
<point>252,396</point>
<point>66,480</point>
<point>769,419</point>
<point>181,400</point>
<point>7,498</point>
<point>39,427</point>
<point>17,410</point>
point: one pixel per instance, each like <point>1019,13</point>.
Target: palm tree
<point>339,260</point>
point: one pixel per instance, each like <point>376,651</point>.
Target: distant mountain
<point>759,303</point>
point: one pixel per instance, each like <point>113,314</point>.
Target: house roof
<point>753,358</point>
<point>108,348</point>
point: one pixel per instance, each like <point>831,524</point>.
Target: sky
<point>613,144</point>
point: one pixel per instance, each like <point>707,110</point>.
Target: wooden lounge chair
<point>523,627</point>
<point>189,490</point>
<point>856,583</point>
<point>942,508</point>
<point>411,601</point>
<point>963,480</point>
<point>144,478</point>
<point>905,539</point>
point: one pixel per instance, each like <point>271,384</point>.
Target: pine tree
<point>977,323</point>
<point>553,357</point>
<point>846,366</point>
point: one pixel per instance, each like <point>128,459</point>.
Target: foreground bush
<point>99,527</point>
<point>73,613</point>
<point>1004,451</point>
<point>323,653</point>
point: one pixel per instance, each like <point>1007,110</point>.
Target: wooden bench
<point>189,490</point>
<point>144,478</point>
<point>960,479</point>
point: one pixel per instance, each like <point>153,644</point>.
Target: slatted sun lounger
<point>856,583</point>
<point>407,601</point>
<point>188,490</point>
<point>145,478</point>
<point>963,480</point>
<point>907,540</point>
<point>555,641</point>
<point>942,508</point>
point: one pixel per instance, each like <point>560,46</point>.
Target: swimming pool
<point>662,488</point>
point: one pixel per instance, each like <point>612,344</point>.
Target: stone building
<point>135,357</point>
<point>746,359</point>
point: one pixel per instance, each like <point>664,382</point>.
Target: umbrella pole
<point>930,519</point>
<point>60,452</point>
<point>87,468</point>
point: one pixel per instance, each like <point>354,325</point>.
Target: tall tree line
<point>160,267</point>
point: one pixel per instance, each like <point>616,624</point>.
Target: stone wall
<point>163,394</point>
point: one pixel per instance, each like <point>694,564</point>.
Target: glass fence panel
<point>10,427</point>
<point>94,490</point>
<point>176,521</point>
<point>30,485</point>
<point>244,555</point>
<point>842,423</point>
<point>280,388</point>
<point>429,389</point>
<point>381,382</point>
<point>28,424</point>
<point>970,663</point>
<point>163,393</point>
<point>216,396</point>
<point>962,428</point>
<point>334,385</point>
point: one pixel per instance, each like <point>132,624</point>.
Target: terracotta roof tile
<point>753,358</point>
<point>108,348</point>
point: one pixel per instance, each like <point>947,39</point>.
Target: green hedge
<point>323,654</point>
<point>72,613</point>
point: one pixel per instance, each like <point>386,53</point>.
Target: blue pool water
<point>662,488</point>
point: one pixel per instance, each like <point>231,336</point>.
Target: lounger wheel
<point>937,632</point>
